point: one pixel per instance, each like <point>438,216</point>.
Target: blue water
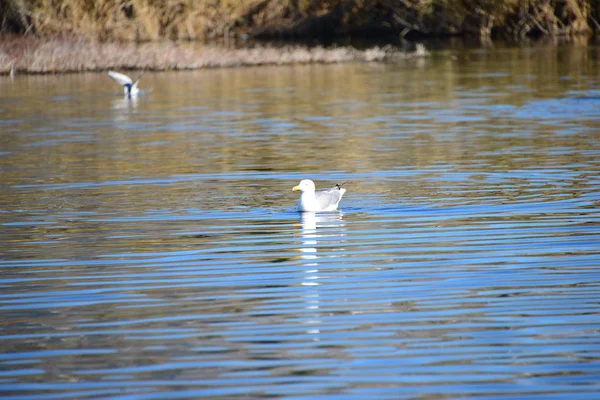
<point>151,248</point>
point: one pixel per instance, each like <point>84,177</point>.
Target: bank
<point>54,36</point>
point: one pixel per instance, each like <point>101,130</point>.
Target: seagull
<point>130,87</point>
<point>326,200</point>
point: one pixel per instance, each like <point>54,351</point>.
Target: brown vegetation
<point>38,55</point>
<point>147,20</point>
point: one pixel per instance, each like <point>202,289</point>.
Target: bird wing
<point>329,198</point>
<point>121,79</point>
<point>137,80</point>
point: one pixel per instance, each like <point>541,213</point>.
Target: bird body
<point>311,200</point>
<point>130,86</point>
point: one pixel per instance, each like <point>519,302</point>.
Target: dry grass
<point>33,55</point>
<point>150,20</point>
<point>139,20</point>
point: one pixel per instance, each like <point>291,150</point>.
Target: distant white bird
<point>129,86</point>
<point>326,200</point>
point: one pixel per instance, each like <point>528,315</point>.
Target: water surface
<point>150,248</point>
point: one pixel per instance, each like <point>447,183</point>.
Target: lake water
<point>150,248</point>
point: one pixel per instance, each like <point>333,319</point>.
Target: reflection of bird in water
<point>130,86</point>
<point>309,237</point>
<point>314,227</point>
<point>123,107</point>
<point>326,200</point>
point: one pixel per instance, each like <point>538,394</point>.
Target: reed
<point>140,20</point>
<point>40,55</point>
<point>147,20</point>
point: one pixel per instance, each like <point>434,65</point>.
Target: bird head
<point>305,185</point>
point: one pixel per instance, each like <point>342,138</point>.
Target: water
<point>150,248</point>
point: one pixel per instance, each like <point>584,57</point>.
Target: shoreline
<point>32,55</point>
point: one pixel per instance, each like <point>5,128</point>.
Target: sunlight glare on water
<point>150,248</point>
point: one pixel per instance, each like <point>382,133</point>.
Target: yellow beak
<point>295,188</point>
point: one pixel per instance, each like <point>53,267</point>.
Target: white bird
<point>326,200</point>
<point>129,86</point>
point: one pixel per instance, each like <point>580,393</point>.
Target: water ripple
<point>151,249</point>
